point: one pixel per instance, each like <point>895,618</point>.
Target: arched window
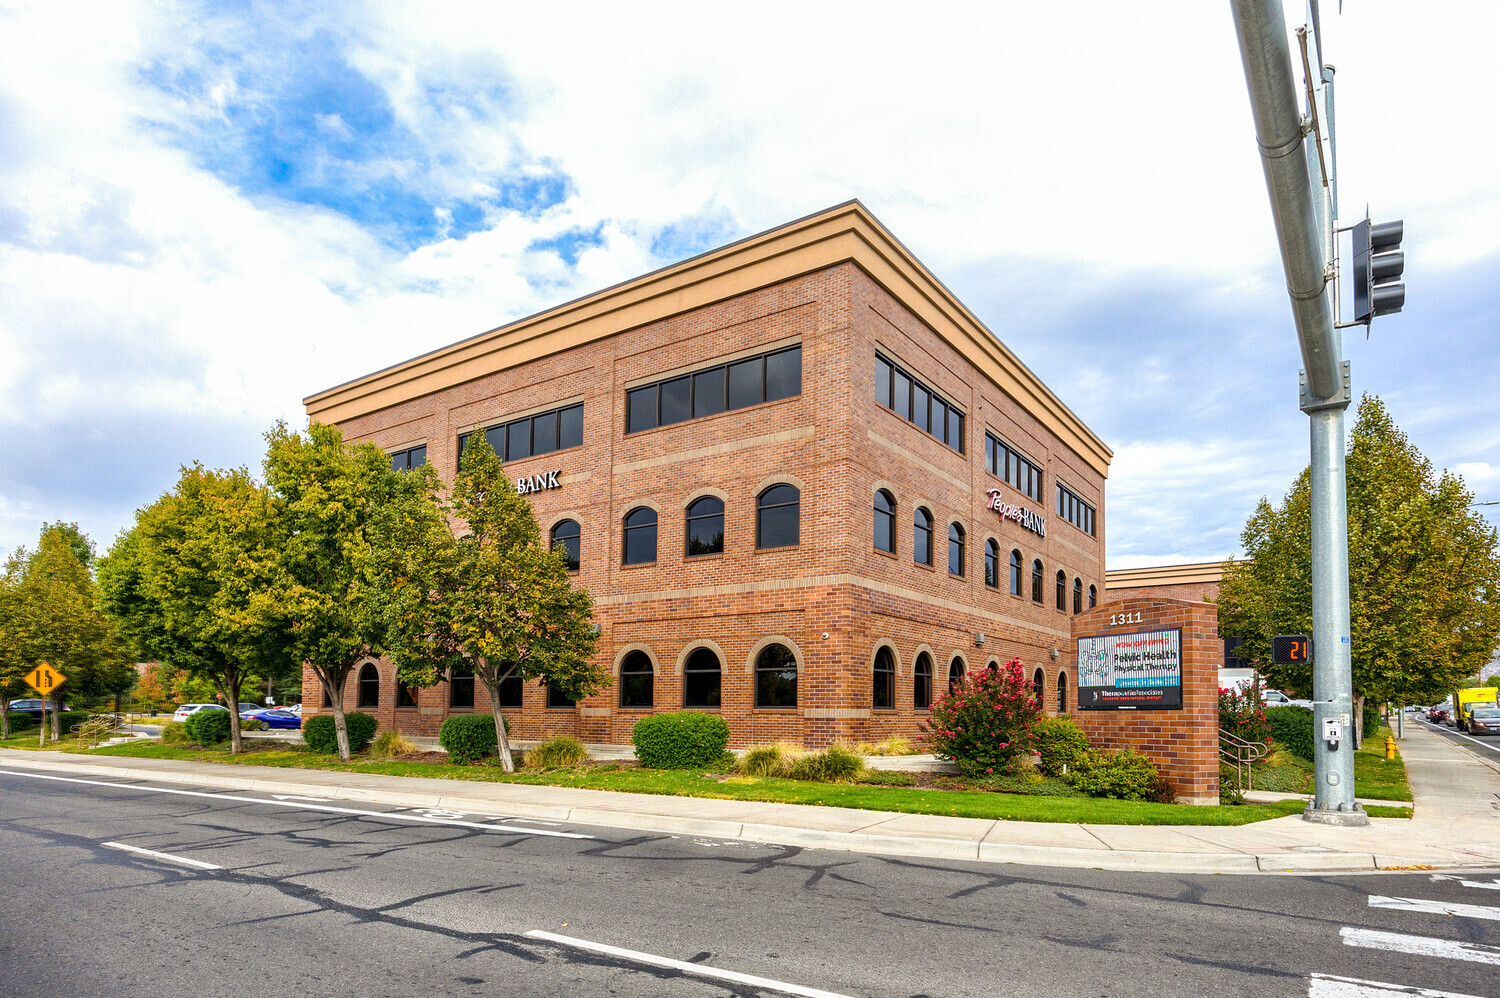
<point>705,526</point>
<point>1062,590</point>
<point>369,685</point>
<point>922,682</point>
<point>640,536</point>
<point>955,549</point>
<point>636,676</point>
<point>1037,682</point>
<point>885,522</point>
<point>994,665</point>
<point>566,535</point>
<point>1062,692</point>
<point>883,696</point>
<point>955,672</point>
<point>1015,573</point>
<point>1093,597</point>
<point>921,538</point>
<point>776,677</point>
<point>1077,595</point>
<point>461,687</point>
<point>1036,581</point>
<point>992,564</point>
<point>702,675</point>
<point>778,511</point>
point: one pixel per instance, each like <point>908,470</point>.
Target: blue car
<point>273,718</point>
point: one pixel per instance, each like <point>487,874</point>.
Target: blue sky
<point>209,211</point>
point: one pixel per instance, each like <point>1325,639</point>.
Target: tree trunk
<point>501,739</point>
<point>5,718</point>
<point>1359,721</point>
<point>232,699</point>
<point>336,696</point>
<point>57,706</point>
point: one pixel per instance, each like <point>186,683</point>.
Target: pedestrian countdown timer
<point>1291,649</point>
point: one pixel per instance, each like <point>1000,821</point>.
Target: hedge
<point>207,727</point>
<point>1124,775</point>
<point>321,736</point>
<point>20,722</point>
<point>1293,728</point>
<point>467,737</point>
<point>68,718</point>
<point>1060,742</point>
<point>684,740</point>
<point>1371,718</point>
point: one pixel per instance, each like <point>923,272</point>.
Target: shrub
<point>389,744</point>
<point>894,745</point>
<point>1293,728</point>
<point>250,724</point>
<point>768,760</point>
<point>835,764</point>
<point>68,718</point>
<point>560,752</point>
<point>884,778</point>
<point>684,740</point>
<point>985,721</point>
<point>20,722</point>
<point>1242,713</point>
<point>467,737</point>
<point>1124,775</point>
<point>207,727</point>
<point>1371,718</point>
<point>1061,742</point>
<point>321,736</point>
<point>174,733</point>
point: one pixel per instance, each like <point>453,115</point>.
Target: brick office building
<point>803,483</point>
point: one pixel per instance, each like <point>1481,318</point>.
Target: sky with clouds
<point>211,210</point>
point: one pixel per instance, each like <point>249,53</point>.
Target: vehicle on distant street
<point>30,707</point>
<point>189,709</point>
<point>1437,715</point>
<point>295,708</point>
<point>1484,721</point>
<point>273,718</point>
<point>1466,700</point>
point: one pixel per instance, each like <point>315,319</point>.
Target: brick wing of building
<point>803,483</point>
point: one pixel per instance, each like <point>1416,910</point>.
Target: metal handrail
<point>1242,754</point>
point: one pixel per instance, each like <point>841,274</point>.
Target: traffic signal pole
<point>1299,180</point>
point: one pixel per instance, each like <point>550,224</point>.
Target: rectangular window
<point>518,440</point>
<point>913,401</point>
<point>461,688</point>
<point>766,378</point>
<point>510,691</point>
<point>1073,509</point>
<point>570,427</point>
<point>1010,465</point>
<point>412,457</point>
<point>543,433</point>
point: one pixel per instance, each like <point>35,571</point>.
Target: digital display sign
<point>1291,649</point>
<point>1141,671</point>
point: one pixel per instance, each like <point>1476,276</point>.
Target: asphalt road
<point>309,897</point>
<point>1486,747</point>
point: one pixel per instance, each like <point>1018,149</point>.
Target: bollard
<point>1390,747</point>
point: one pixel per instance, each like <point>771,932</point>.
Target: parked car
<point>1275,698</point>
<point>273,718</point>
<point>30,707</point>
<point>295,708</point>
<point>1484,721</point>
<point>189,709</point>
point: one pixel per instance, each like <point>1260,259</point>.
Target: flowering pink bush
<point>985,721</point>
<point>1242,712</point>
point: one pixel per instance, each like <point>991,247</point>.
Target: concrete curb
<point>866,840</point>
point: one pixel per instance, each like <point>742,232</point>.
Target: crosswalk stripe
<point>1328,986</point>
<point>1492,885</point>
<point>1395,942</point>
<point>1436,907</point>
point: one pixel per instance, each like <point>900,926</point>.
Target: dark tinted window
<point>708,392</point>
<point>518,439</point>
<point>701,677</point>
<point>885,522</point>
<point>1016,469</point>
<point>1036,686</point>
<point>921,542</point>
<point>640,409</point>
<point>910,399</point>
<point>640,536</point>
<point>884,693</point>
<point>883,381</point>
<point>1093,597</point>
<point>557,698</point>
<point>784,374</point>
<point>992,564</point>
<point>676,400</point>
<point>412,457</point>
<point>1062,692</point>
<point>1062,590</point>
<point>1073,509</point>
<point>955,672</point>
<point>705,526</point>
<point>776,677</point>
<point>510,691</point>
<point>921,695</point>
<point>1077,595</point>
<point>956,430</point>
<point>636,680</point>
<point>544,433</point>
<point>920,407</point>
<point>901,395</point>
<point>369,686</point>
<point>955,549</point>
<point>406,696</point>
<point>570,427</point>
<point>1015,573</point>
<point>1036,581</point>
<point>745,387</point>
<point>777,517</point>
<point>939,418</point>
<point>495,435</point>
<point>567,535</point>
<point>461,688</point>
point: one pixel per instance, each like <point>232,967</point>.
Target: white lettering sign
<point>536,483</point>
<point>1029,519</point>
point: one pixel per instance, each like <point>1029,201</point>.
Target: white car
<point>188,709</point>
<point>1276,698</point>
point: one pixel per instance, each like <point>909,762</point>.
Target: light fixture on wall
<point>979,640</point>
<point>1053,653</point>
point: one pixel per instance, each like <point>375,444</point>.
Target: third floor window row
<point>1016,469</point>
<point>1073,509</point>
<point>747,382</point>
<point>915,402</point>
<point>557,429</point>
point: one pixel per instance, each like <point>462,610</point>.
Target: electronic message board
<point>1141,671</point>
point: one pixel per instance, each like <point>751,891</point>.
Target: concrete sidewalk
<point>1457,824</point>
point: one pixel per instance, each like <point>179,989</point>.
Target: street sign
<point>1291,649</point>
<point>44,679</point>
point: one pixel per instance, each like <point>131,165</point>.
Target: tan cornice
<point>1164,575</point>
<point>844,233</point>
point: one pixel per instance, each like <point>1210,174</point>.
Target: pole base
<point>1355,818</point>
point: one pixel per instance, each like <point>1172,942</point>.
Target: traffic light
<point>1378,263</point>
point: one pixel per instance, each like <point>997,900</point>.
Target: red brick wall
<point>1184,743</point>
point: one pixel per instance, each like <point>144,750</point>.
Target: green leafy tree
<point>347,578</point>
<point>1492,681</point>
<point>182,580</point>
<point>497,599</point>
<point>1424,574</point>
<point>12,663</point>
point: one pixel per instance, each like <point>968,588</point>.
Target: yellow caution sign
<point>44,679</point>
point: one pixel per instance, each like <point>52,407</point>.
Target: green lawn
<point>1374,776</point>
<point>695,783</point>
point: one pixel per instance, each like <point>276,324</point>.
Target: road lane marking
<point>1459,734</point>
<point>1328,986</point>
<point>1435,907</point>
<point>295,797</point>
<point>1395,942</point>
<point>695,969</point>
<point>162,855</point>
<point>394,815</point>
<point>1493,885</point>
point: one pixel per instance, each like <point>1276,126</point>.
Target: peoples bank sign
<point>1028,519</point>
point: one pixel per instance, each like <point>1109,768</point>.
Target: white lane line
<point>393,815</point>
<point>1493,885</point>
<point>1328,986</point>
<point>695,969</point>
<point>1459,734</point>
<point>162,855</point>
<point>1395,942</point>
<point>1436,907</point>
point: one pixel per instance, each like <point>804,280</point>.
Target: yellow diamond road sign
<point>44,679</point>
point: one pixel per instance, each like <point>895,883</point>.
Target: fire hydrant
<point>1390,747</point>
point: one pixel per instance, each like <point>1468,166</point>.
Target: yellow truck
<point>1464,701</point>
